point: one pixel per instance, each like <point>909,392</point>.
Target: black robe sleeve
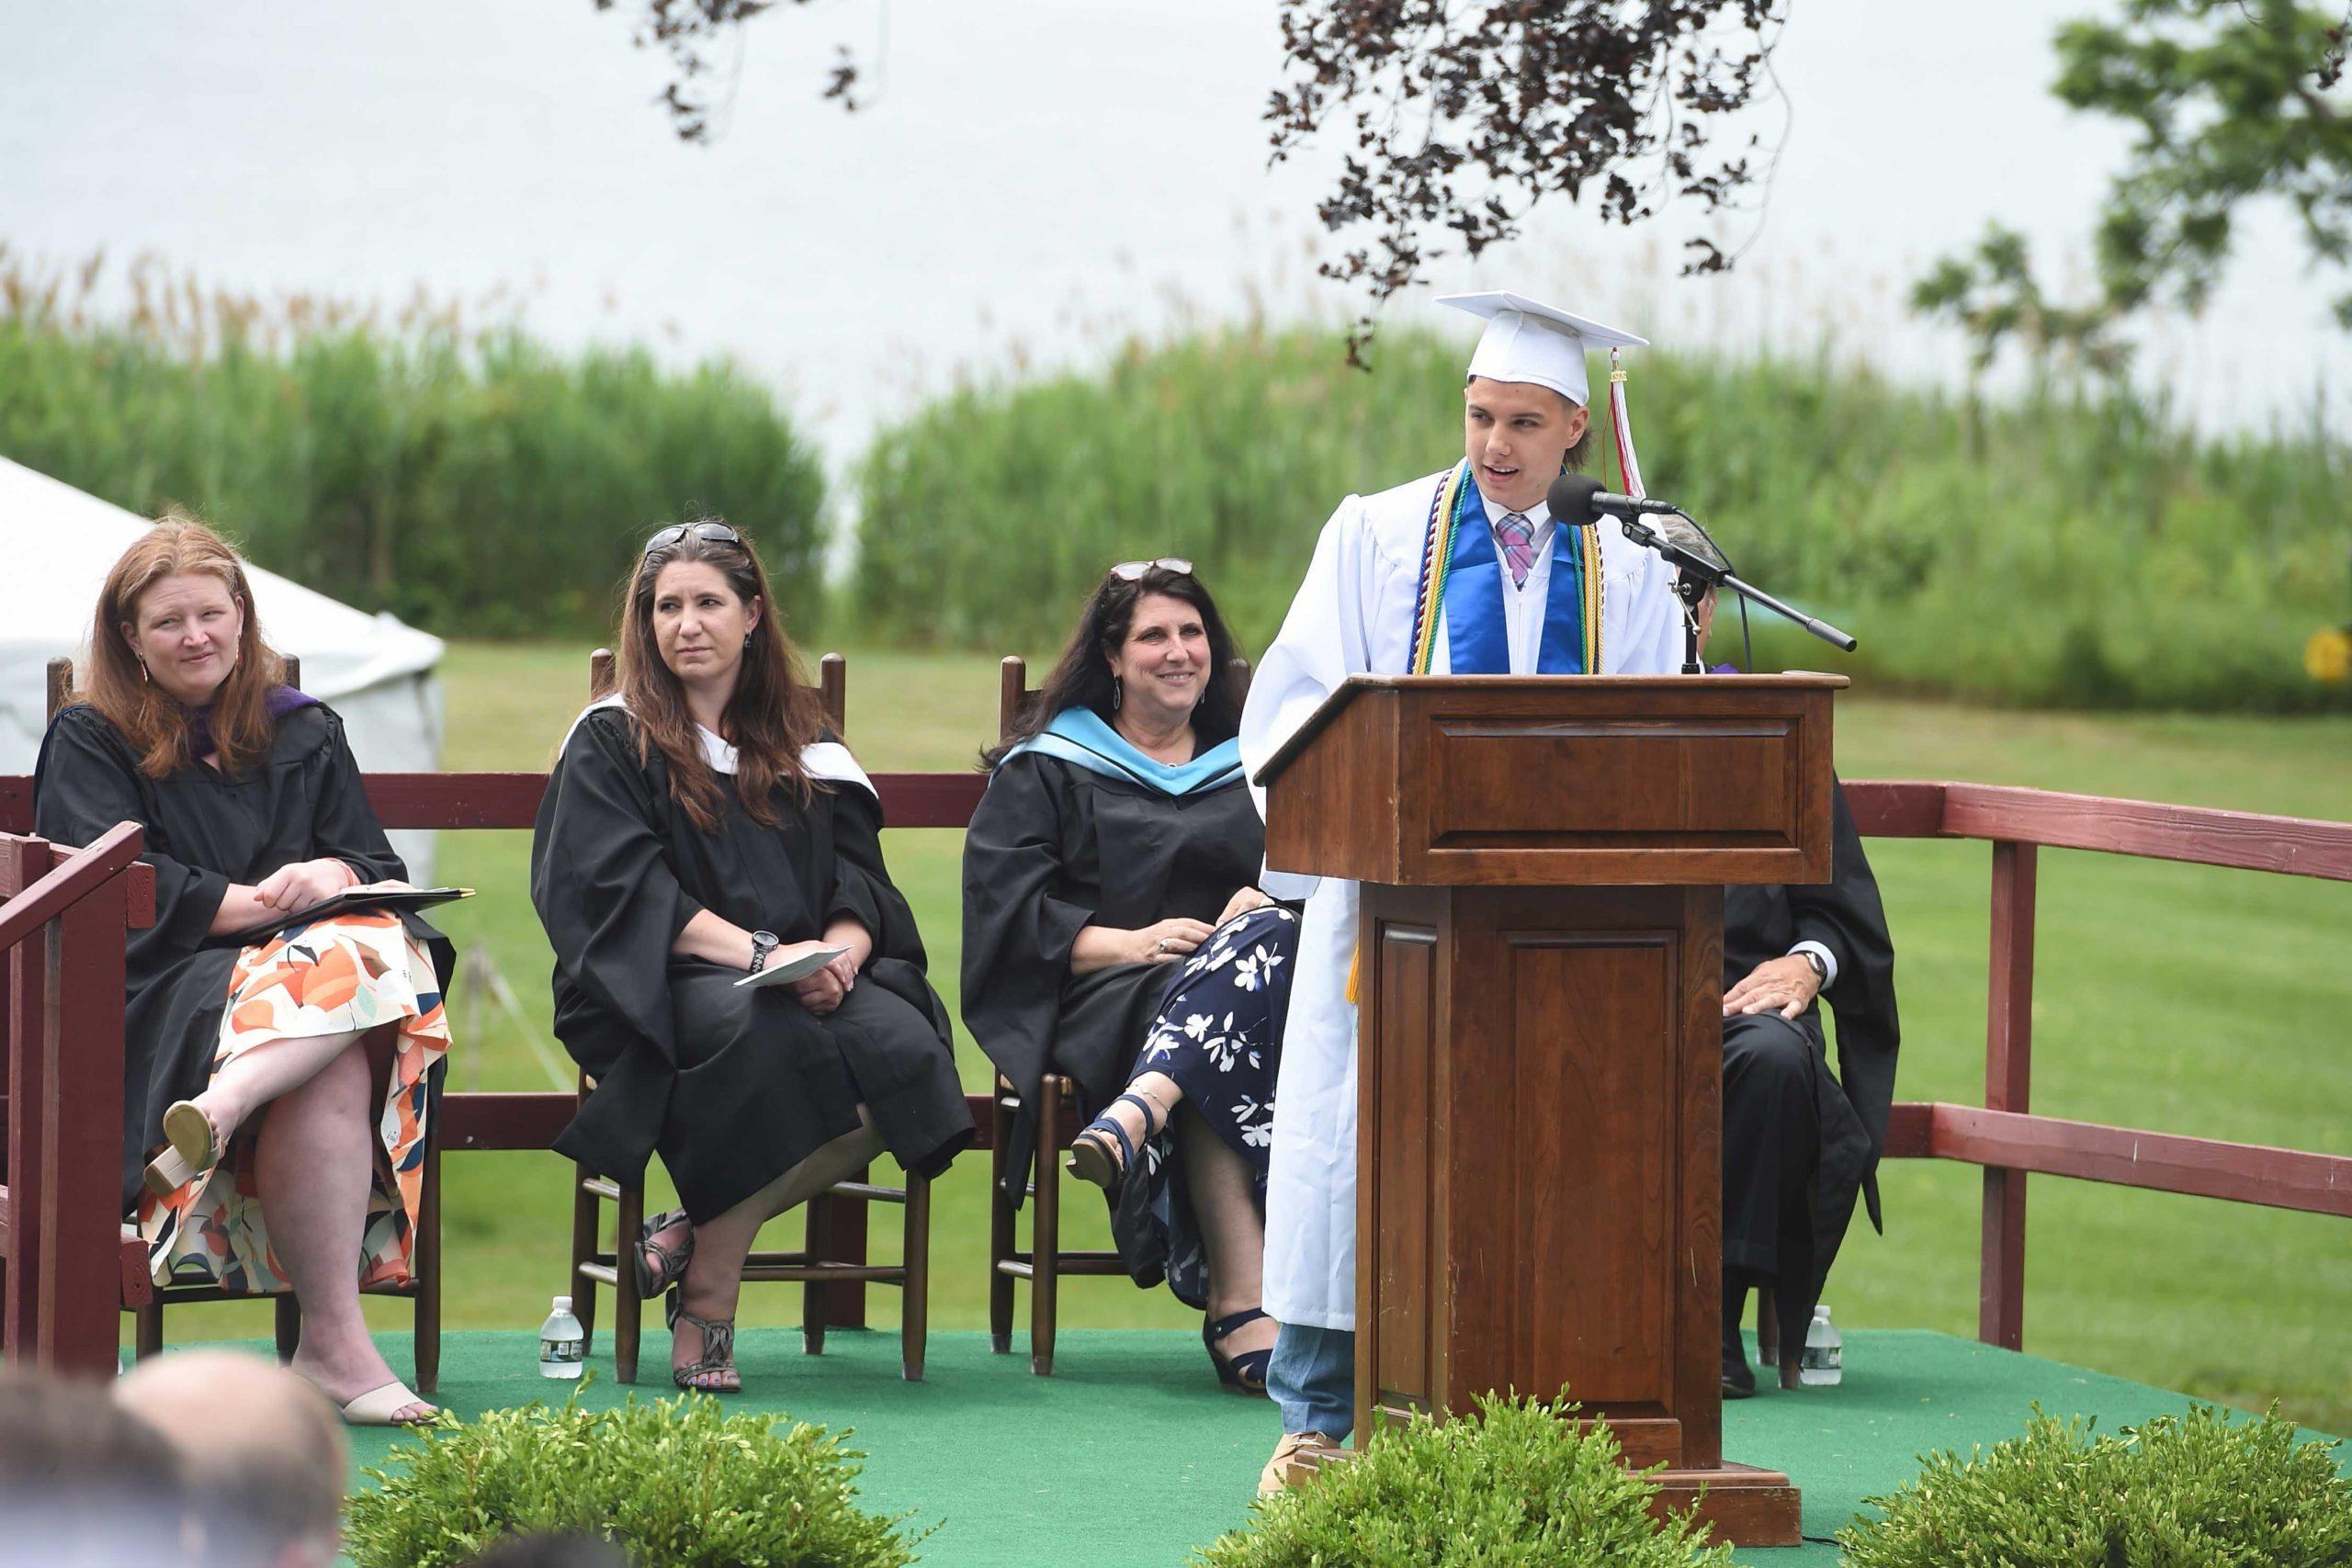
<point>1847,916</point>
<point>1018,929</point>
<point>85,784</point>
<point>863,890</point>
<point>601,882</point>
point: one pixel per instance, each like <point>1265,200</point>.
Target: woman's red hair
<point>115,683</point>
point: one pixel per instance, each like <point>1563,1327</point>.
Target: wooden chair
<point>836,1217</point>
<point>424,1280</point>
<point>1045,1261</point>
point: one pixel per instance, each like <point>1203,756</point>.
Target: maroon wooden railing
<point>2002,1136</point>
<point>63,1264</point>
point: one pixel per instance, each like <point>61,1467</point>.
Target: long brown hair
<point>117,682</point>
<point>1082,679</point>
<point>771,717</point>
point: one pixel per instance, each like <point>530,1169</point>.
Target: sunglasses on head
<point>1133,570</point>
<point>716,533</point>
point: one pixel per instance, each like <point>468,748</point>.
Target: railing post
<point>78,1298</point>
<point>2008,1080</point>
<point>28,995</point>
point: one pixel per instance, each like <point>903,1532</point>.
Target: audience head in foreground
<point>261,1453</point>
<point>81,1481</point>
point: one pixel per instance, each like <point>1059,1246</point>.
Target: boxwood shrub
<point>1517,1483</point>
<point>675,1485</point>
<point>2195,1490</point>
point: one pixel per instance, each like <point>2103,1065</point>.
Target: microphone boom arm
<point>1716,575</point>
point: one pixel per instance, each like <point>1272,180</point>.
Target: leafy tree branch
<point>1458,116</point>
<point>2229,101</point>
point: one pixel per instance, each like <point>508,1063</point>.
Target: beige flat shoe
<point>378,1407</point>
<point>1299,1458</point>
<point>193,1148</point>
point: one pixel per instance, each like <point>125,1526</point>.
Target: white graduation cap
<point>1528,341</point>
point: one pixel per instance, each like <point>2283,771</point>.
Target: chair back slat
<point>832,691</point>
<point>1012,694</point>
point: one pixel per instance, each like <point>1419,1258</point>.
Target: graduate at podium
<point>1463,571</point>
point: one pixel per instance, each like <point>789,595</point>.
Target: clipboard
<point>367,896</point>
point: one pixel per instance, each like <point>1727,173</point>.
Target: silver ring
<point>1159,946</point>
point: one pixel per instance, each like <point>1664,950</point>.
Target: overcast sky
<point>1034,174</point>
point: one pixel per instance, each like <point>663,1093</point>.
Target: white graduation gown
<point>1353,615</point>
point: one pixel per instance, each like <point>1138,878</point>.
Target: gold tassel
<point>1355,976</point>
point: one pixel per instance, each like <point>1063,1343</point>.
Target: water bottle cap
<point>563,1303</point>
<point>1821,1311</point>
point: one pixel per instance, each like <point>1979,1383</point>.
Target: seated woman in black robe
<point>1111,934</point>
<point>697,828</point>
<point>1800,1142</point>
<point>286,1079</point>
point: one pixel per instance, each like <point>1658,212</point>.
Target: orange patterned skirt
<point>355,971</point>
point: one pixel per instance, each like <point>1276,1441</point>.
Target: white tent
<point>59,544</point>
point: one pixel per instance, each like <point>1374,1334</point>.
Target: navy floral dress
<point>1219,1034</point>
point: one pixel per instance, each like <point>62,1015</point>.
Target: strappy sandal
<point>668,1264</point>
<point>1244,1374</point>
<point>192,1147</point>
<point>718,1349</point>
<point>1090,1156</point>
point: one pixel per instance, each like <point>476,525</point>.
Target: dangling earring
<point>1118,693</point>
<point>145,679</point>
<point>747,639</point>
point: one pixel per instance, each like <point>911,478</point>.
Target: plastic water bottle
<point>1824,1361</point>
<point>563,1343</point>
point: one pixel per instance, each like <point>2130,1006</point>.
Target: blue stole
<point>1081,736</point>
<point>1477,640</point>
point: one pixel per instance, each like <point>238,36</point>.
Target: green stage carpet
<point>1129,1453</point>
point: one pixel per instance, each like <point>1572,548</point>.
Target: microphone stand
<point>1691,564</point>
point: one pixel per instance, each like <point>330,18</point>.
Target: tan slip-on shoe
<point>1298,1459</point>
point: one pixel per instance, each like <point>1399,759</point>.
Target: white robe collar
<point>827,760</point>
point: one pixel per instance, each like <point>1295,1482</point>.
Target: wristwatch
<point>762,944</point>
<point>1820,968</point>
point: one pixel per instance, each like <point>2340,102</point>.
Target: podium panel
<point>1515,1166</point>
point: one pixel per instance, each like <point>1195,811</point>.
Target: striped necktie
<point>1519,545</point>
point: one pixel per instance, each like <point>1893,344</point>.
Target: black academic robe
<point>1053,847</point>
<point>1848,1110</point>
<point>205,831</point>
<point>733,1087</point>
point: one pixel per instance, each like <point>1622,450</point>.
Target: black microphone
<point>1578,499</point>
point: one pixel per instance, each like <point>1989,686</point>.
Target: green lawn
<point>2173,998</point>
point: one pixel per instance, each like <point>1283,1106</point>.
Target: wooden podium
<point>1540,1041</point>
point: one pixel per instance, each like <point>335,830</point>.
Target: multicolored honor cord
<point>1436,560</point>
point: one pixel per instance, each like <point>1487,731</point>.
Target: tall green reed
<point>2070,548</point>
<point>467,478</point>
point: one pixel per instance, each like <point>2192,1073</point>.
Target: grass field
<point>2173,998</point>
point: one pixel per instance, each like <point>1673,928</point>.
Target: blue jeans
<point>1313,1380</point>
